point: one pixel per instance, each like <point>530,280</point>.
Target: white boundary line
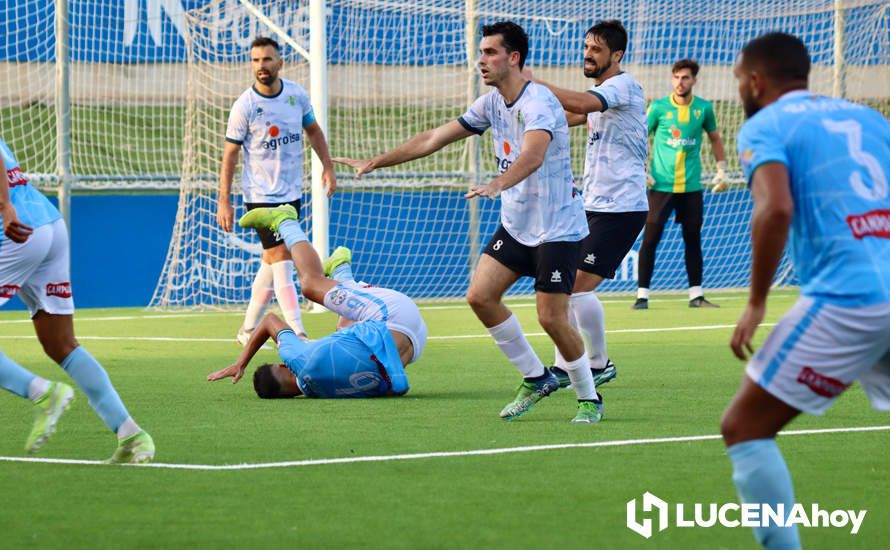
<point>182,315</point>
<point>447,337</point>
<point>626,300</point>
<point>416,456</point>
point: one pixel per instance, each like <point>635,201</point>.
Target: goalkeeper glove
<point>719,183</point>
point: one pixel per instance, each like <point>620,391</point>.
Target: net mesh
<point>149,113</point>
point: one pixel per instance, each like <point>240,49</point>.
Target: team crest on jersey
<point>292,100</point>
<point>519,117</point>
<point>696,113</point>
<point>669,115</point>
<point>259,111</point>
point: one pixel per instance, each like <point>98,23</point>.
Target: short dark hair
<point>263,41</point>
<point>512,36</point>
<point>265,383</point>
<point>612,32</point>
<point>779,55</point>
<point>686,64</point>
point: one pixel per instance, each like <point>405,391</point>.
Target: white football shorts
<point>817,350</point>
<point>37,270</point>
<point>359,302</point>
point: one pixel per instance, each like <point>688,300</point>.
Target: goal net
<point>397,68</point>
<point>125,96</point>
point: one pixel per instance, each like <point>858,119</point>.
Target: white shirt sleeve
<point>613,93</point>
<point>476,118</point>
<point>538,116</point>
<point>238,126</point>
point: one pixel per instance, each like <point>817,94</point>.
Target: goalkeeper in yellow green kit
<point>678,122</point>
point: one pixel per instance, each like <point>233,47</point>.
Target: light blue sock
<point>92,379</point>
<point>343,273</point>
<point>291,232</point>
<point>15,377</point>
<point>761,476</point>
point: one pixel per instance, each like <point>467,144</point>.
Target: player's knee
<point>312,287</point>
<point>478,301</point>
<point>731,428</point>
<point>552,322</point>
<point>58,348</point>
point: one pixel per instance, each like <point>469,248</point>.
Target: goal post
<point>393,69</point>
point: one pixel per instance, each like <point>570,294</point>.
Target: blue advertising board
<point>150,31</point>
<point>119,244</point>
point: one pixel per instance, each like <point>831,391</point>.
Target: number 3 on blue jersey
<point>853,132</point>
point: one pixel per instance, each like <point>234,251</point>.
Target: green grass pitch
<point>670,383</point>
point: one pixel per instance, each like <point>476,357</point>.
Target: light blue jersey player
<point>381,333</point>
<point>34,266</point>
<point>820,167</point>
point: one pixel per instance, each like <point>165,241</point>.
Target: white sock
<point>286,294</point>
<point>261,293</point>
<point>558,360</point>
<point>510,338</point>
<point>37,388</point>
<point>582,378</point>
<point>591,320</point>
<point>128,428</point>
<point>695,292</point>
<point>643,293</point>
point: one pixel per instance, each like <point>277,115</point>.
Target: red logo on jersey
<point>8,291</point>
<point>62,290</point>
<point>273,131</point>
<point>821,384</point>
<point>871,224</point>
<point>676,133</point>
<point>506,148</point>
<point>16,177</point>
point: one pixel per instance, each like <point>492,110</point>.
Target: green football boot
<point>49,408</point>
<point>600,376</point>
<point>589,412</point>
<point>139,448</point>
<point>528,394</point>
<point>341,255</point>
<point>268,218</point>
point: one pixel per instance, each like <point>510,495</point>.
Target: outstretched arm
<point>572,101</point>
<point>269,327</point>
<point>575,102</point>
<point>534,148</point>
<point>773,209</point>
<point>320,146</point>
<point>421,145</point>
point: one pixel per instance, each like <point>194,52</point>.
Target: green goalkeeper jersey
<point>676,156</point>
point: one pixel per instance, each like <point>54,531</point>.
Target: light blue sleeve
<point>760,142</point>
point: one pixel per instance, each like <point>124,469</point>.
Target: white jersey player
<point>267,123</point>
<point>614,184</point>
<point>542,219</point>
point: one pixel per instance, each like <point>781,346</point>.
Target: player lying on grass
<point>367,358</point>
